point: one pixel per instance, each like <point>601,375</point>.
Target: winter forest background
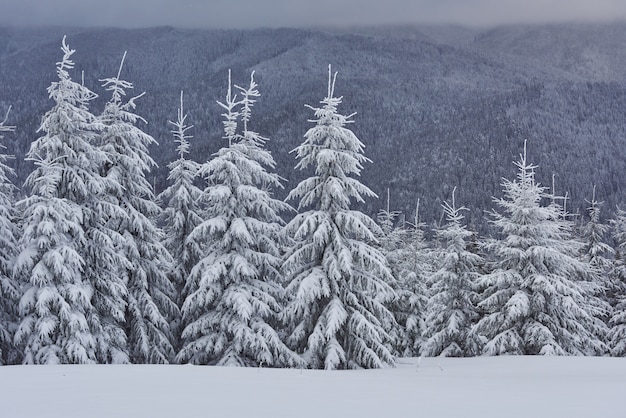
<point>110,258</point>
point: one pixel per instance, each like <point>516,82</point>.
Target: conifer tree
<point>409,307</point>
<point>181,213</point>
<point>451,311</point>
<point>233,293</point>
<point>8,237</point>
<point>595,252</point>
<point>391,241</point>
<point>535,299</point>
<point>337,281</point>
<point>616,337</point>
<point>149,293</point>
<point>103,253</point>
<point>405,251</point>
<point>55,305</point>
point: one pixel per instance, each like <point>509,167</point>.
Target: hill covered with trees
<point>101,263</point>
<point>437,107</point>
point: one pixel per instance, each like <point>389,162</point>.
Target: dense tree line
<point>95,268</point>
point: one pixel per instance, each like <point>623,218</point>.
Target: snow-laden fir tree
<point>596,252</point>
<point>536,298</point>
<point>181,211</point>
<point>55,305</point>
<point>391,242</point>
<point>337,281</point>
<point>233,293</point>
<point>451,310</point>
<point>409,307</point>
<point>405,250</point>
<point>106,263</point>
<point>149,293</point>
<point>8,237</point>
<point>616,337</point>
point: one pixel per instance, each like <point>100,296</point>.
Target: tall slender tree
<point>149,306</point>
<point>535,299</point>
<point>337,281</point>
<point>410,306</point>
<point>8,240</point>
<point>616,337</point>
<point>181,210</point>
<point>596,253</point>
<point>451,311</point>
<point>55,305</point>
<point>233,293</point>
<point>405,250</point>
<point>391,241</point>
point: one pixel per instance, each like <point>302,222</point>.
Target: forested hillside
<point>108,257</point>
<point>437,107</point>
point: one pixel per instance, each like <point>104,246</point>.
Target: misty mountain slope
<point>436,109</point>
<point>585,52</point>
<point>407,96</point>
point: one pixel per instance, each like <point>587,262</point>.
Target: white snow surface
<point>507,386</point>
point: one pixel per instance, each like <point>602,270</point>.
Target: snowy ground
<point>503,387</point>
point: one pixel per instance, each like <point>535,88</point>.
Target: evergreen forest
<point>239,233</point>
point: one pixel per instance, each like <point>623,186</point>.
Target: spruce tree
<point>55,306</point>
<point>233,293</point>
<point>410,305</point>
<point>596,253</point>
<point>535,299</point>
<point>337,281</point>
<point>451,311</point>
<point>405,250</point>
<point>391,243</point>
<point>8,240</point>
<point>103,252</point>
<point>149,293</point>
<point>181,210</point>
<point>616,337</point>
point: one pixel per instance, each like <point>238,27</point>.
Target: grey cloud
<point>298,13</point>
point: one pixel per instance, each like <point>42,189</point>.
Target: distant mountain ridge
<point>437,106</point>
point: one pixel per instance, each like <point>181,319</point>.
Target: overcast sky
<point>299,13</point>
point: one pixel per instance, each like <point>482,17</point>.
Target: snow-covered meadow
<point>507,386</point>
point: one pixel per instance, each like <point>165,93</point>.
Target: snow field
<point>485,387</point>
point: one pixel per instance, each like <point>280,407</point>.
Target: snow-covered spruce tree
<point>596,252</point>
<point>409,307</point>
<point>337,281</point>
<point>387,220</point>
<point>451,311</point>
<point>8,240</point>
<point>55,305</point>
<point>616,337</point>
<point>233,293</point>
<point>181,211</point>
<point>535,299</point>
<point>391,242</point>
<point>405,250</point>
<point>149,305</point>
